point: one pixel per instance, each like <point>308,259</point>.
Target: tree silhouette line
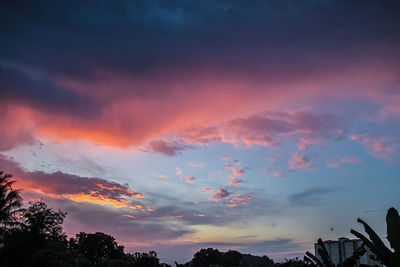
<point>34,237</point>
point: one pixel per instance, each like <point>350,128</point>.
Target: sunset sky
<point>177,125</point>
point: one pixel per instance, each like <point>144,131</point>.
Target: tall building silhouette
<point>343,248</point>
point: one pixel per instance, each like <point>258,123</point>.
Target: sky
<point>178,125</point>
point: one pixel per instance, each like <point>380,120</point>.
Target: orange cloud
<point>98,199</point>
<point>76,188</point>
<point>129,216</point>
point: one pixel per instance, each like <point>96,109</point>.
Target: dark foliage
<point>296,262</point>
<point>375,244</point>
<point>39,232</point>
<point>96,247</point>
<point>10,203</point>
<point>212,257</point>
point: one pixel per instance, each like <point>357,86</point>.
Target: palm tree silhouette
<point>10,203</point>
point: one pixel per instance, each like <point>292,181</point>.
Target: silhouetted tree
<point>296,262</point>
<point>38,232</point>
<point>231,258</point>
<point>97,247</point>
<point>206,257</point>
<point>256,261</point>
<point>212,257</point>
<point>10,203</point>
<point>143,259</point>
<point>43,222</point>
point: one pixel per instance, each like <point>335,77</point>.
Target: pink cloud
<point>235,181</point>
<point>300,162</point>
<point>209,190</point>
<point>220,195</point>
<point>307,141</point>
<point>136,110</point>
<point>277,174</point>
<point>20,127</point>
<point>384,148</point>
<point>225,158</point>
<point>268,128</point>
<point>237,172</point>
<point>167,148</point>
<point>240,200</point>
<point>178,171</point>
<point>190,180</point>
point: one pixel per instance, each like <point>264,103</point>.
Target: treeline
<point>37,239</point>
<point>213,258</point>
<point>34,237</point>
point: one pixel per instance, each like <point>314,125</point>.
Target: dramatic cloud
<point>266,129</point>
<point>276,85</point>
<point>80,85</point>
<point>75,188</point>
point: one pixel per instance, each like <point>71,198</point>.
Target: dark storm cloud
<point>121,72</point>
<point>73,37</point>
<point>24,86</point>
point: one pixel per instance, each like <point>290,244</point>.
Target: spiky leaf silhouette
<point>375,243</point>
